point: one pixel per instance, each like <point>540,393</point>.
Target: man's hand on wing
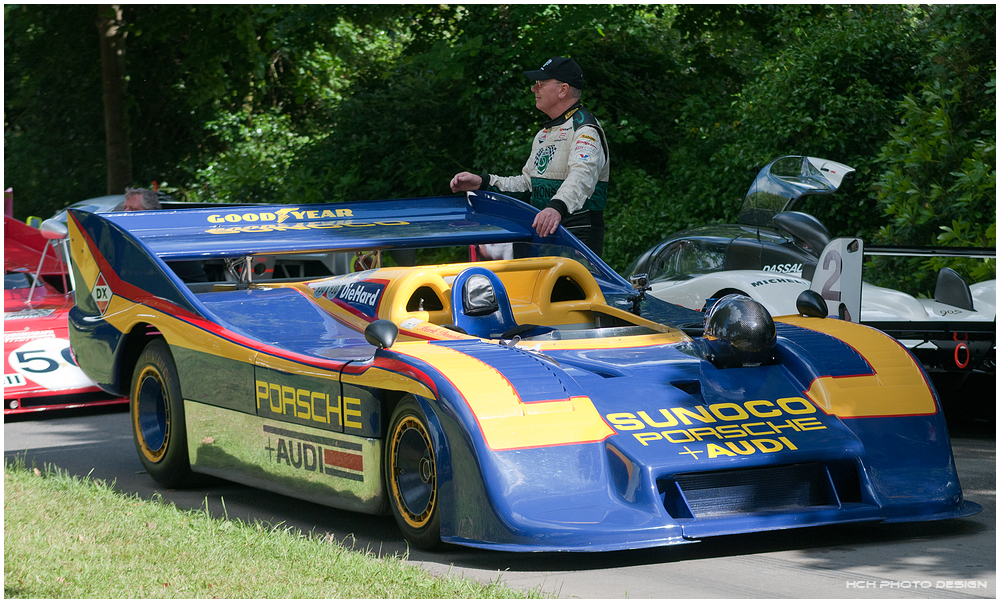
<point>546,221</point>
<point>465,181</point>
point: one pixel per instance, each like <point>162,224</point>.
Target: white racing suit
<point>568,171</point>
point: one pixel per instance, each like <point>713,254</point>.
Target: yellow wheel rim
<point>151,413</point>
<point>412,472</point>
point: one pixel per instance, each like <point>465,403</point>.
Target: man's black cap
<point>559,68</point>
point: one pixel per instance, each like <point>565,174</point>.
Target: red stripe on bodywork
<point>394,366</point>
<point>344,460</point>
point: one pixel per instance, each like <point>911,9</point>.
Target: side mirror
<point>382,333</point>
<point>811,303</point>
<point>53,229</point>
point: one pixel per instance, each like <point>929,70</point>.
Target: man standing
<point>567,172</point>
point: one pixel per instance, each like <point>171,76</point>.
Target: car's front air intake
<point>760,490</point>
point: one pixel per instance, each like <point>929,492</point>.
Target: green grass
<point>68,537</point>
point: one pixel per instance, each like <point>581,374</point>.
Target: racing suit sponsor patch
<point>543,157</point>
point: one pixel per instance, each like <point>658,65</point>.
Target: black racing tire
<point>719,295</point>
<point>157,412</point>
<point>725,292</point>
<point>411,476</point>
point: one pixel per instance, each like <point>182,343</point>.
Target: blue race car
<point>534,403</point>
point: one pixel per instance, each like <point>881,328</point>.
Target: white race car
<point>774,254</point>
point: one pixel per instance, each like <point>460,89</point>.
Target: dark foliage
<point>301,104</point>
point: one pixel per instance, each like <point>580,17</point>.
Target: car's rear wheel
<point>157,411</point>
<point>411,476</point>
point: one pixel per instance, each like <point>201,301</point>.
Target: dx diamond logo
<point>101,294</point>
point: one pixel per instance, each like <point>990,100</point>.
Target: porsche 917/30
<point>536,403</point>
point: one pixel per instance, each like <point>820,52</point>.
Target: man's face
<point>133,203</point>
<point>548,95</point>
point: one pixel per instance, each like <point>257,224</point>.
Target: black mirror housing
<point>811,303</point>
<point>382,333</point>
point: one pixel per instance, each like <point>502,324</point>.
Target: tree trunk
<point>119,150</point>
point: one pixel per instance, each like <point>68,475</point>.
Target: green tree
<point>119,152</point>
<point>203,76</point>
<point>937,178</point>
<point>355,121</point>
<point>299,104</point>
<point>829,92</point>
<point>197,76</point>
<point>819,81</point>
<point>54,151</point>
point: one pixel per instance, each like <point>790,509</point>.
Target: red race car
<point>39,371</point>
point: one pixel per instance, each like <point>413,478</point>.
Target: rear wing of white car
<point>838,277</point>
<point>956,330</point>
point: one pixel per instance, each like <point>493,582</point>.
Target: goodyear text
<point>281,215</point>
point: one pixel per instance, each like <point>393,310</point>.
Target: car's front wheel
<point>411,476</point>
<point>725,292</point>
<point>157,411</point>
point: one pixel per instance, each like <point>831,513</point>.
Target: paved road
<point>950,559</point>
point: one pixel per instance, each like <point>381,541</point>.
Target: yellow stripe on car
<point>505,420</point>
<point>82,258</point>
<point>897,388</point>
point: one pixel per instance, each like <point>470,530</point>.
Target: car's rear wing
<point>782,183</point>
<point>962,344</point>
<point>932,252</point>
<point>951,288</point>
<point>363,225</point>
<point>24,248</point>
<point>129,252</point>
